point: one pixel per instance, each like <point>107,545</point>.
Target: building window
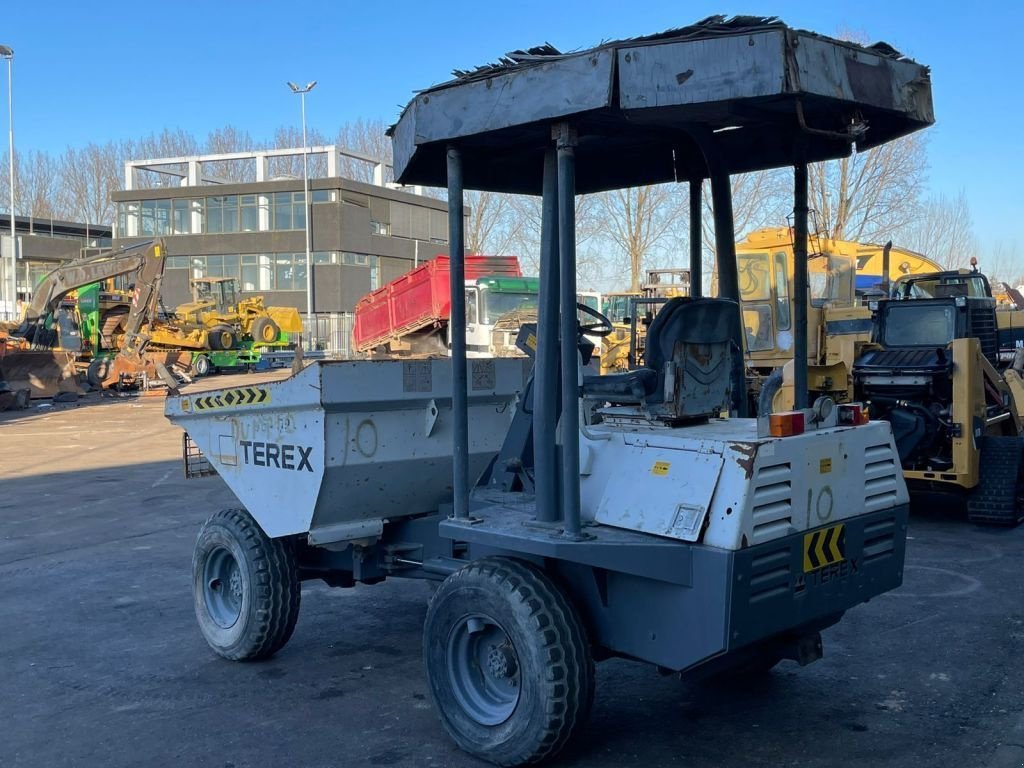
<point>320,196</point>
<point>214,220</point>
<point>288,210</point>
<point>182,219</point>
<point>380,227</point>
<point>128,218</point>
<point>261,271</point>
<point>249,210</point>
<point>289,271</point>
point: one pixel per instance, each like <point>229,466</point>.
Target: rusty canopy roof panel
<point>647,109</point>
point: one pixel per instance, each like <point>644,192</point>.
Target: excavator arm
<point>146,259</point>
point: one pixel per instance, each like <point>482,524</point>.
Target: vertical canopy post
<point>800,285</point>
<point>728,276</point>
<point>457,325</point>
<point>696,240</point>
<point>545,380</point>
<point>566,142</point>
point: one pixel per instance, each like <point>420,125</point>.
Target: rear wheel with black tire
<point>245,587</point>
<point>265,331</point>
<point>201,365</point>
<point>221,337</point>
<point>996,499</point>
<point>508,663</point>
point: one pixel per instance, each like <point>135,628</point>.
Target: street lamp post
<point>7,52</point>
<point>309,210</point>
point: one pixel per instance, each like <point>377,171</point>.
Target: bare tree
<point>591,251</point>
<point>869,195</point>
<point>637,218</point>
<point>943,230</point>
<point>40,184</point>
<point>1003,262</point>
<point>492,226</point>
<point>759,199</point>
<point>88,176</point>
<point>290,137</point>
<point>224,141</point>
<point>366,137</point>
<point>36,186</point>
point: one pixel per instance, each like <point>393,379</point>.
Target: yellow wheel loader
<point>217,313</point>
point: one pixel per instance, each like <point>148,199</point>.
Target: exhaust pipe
<point>885,268</point>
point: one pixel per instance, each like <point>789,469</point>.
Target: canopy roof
<point>749,90</point>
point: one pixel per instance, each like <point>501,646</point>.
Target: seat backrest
<point>700,321</point>
<point>689,344</point>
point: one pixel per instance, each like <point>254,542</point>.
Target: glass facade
<point>216,214</point>
<point>269,271</point>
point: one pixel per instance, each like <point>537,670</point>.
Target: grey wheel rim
<point>483,669</point>
<point>222,587</point>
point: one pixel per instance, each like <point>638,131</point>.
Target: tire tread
<point>277,595</point>
<point>569,676</point>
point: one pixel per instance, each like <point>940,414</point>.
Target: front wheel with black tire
<point>201,365</point>
<point>245,586</point>
<point>997,498</point>
<point>508,662</point>
<point>265,330</point>
<point>221,337</point>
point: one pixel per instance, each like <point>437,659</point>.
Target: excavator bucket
<point>43,373</point>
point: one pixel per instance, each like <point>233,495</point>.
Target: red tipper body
<point>419,299</point>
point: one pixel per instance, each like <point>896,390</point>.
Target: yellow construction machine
<point>930,363</point>
<point>841,276</point>
<point>215,321</point>
<point>632,311</point>
<point>933,371</point>
<point>220,318</point>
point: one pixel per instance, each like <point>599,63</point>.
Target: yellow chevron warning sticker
<point>824,547</point>
<point>231,398</point>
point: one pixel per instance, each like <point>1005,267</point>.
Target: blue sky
<point>113,70</point>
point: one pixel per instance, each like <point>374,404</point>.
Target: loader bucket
<point>43,373</point>
<point>286,318</point>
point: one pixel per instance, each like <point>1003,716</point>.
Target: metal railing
<point>329,333</point>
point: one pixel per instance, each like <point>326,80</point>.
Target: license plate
<point>826,546</point>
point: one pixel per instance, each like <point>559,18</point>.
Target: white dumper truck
<point>571,517</point>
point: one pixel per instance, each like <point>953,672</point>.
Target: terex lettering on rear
<point>277,455</point>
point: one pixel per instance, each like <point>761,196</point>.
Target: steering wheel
<point>603,327</point>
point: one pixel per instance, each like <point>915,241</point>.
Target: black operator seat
<point>688,362</point>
